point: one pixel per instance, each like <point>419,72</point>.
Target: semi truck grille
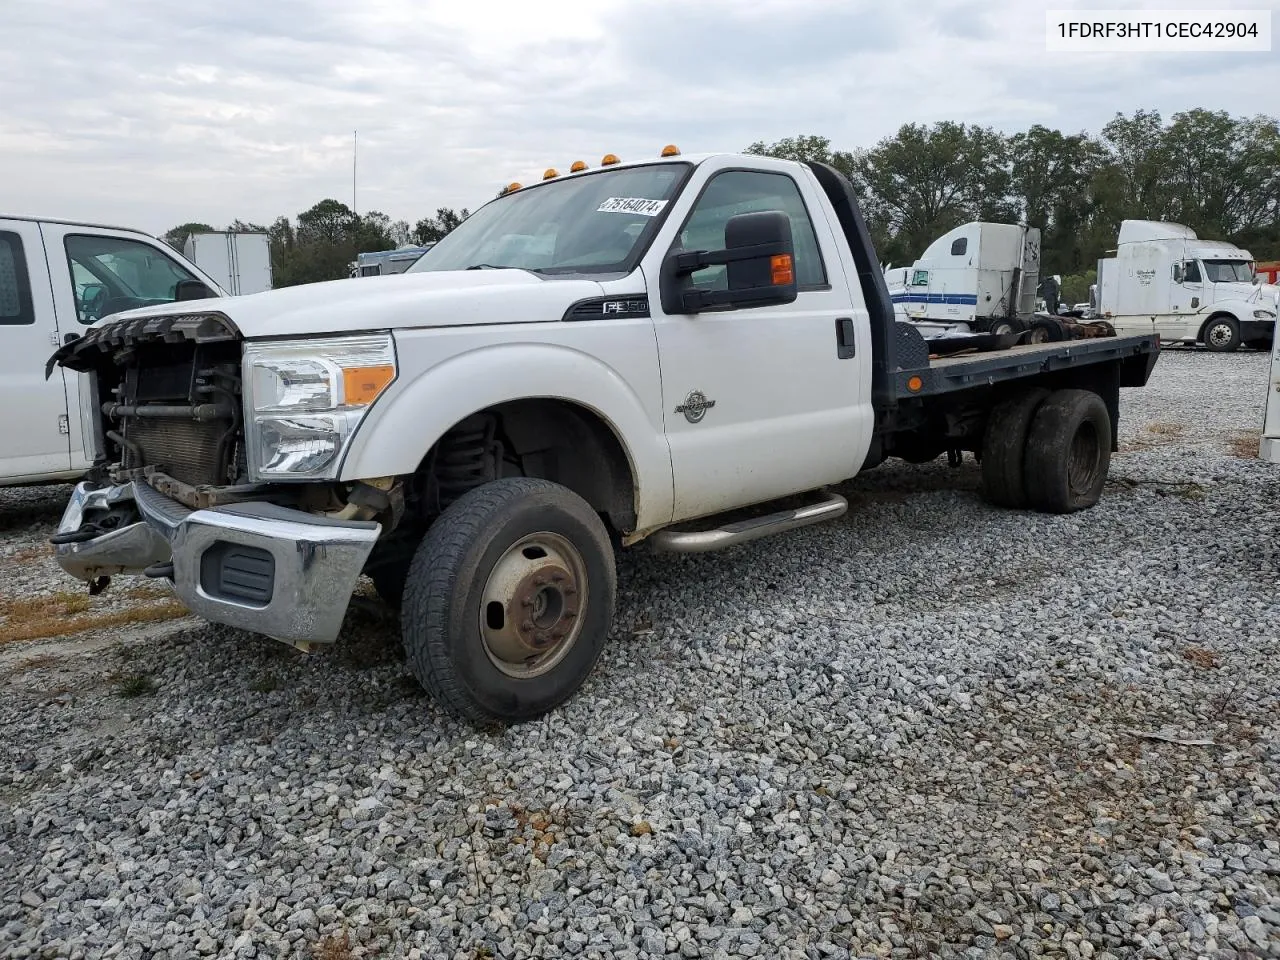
<point>186,450</point>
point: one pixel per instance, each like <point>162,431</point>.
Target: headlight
<point>305,398</point>
<point>1263,315</point>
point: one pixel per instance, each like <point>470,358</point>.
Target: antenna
<point>354,135</point>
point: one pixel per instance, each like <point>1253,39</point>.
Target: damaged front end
<point>170,497</point>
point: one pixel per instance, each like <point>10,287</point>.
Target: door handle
<point>846,341</point>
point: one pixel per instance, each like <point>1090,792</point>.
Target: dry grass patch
<point>27,554</point>
<point>1245,444</point>
<point>66,612</point>
<point>1200,657</point>
<point>334,947</point>
<point>1162,428</point>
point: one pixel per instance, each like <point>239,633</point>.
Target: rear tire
<point>1222,334</point>
<point>509,601</point>
<point>1004,443</point>
<point>1046,330</point>
<point>1007,325</point>
<point>1068,452</point>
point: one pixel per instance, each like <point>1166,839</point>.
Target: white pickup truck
<point>688,351</point>
<point>56,279</point>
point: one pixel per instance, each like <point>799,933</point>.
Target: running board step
<point>829,507</point>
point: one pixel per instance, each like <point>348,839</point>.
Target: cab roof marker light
<point>609,160</point>
<point>578,167</point>
<point>551,174</point>
<point>671,150</point>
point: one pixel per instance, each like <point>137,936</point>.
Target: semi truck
<point>1165,280</point>
<point>57,279</point>
<point>979,276</point>
<point>680,353</point>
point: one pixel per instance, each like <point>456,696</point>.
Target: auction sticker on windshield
<point>646,208</point>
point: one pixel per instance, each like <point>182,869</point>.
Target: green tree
<point>805,148</point>
<point>177,236</point>
<point>432,229</point>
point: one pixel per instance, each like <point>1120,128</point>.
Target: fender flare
<point>406,422</point>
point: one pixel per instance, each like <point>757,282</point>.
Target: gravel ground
<point>931,728</point>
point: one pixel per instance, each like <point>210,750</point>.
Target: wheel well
<point>550,439</point>
<point>1204,327</point>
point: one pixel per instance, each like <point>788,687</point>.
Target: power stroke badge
<point>695,406</point>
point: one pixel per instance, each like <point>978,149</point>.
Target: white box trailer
<point>240,262</point>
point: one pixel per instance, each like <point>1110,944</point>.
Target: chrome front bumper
<point>256,566</point>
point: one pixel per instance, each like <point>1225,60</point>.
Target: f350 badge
<point>695,406</point>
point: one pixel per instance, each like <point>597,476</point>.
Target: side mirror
<point>1177,273</point>
<point>759,257</point>
<point>191,290</point>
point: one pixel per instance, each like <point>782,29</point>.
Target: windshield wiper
<point>491,266</point>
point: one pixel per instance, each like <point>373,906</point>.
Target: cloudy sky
<point>153,112</point>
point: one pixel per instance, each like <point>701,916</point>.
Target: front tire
<point>1068,452</point>
<point>1222,335</point>
<point>509,601</point>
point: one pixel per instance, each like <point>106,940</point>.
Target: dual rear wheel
<point>1049,451</point>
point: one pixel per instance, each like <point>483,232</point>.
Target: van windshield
<point>586,223</point>
<point>1228,271</point>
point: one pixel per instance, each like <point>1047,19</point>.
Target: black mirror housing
<point>192,290</point>
<point>759,257</point>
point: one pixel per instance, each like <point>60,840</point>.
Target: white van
<point>56,279</point>
<point>1165,280</point>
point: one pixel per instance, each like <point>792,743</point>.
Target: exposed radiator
<point>186,450</point>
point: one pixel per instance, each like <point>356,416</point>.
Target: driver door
<point>1185,302</point>
<point>761,401</point>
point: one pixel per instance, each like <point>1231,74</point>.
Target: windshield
<point>1228,271</point>
<point>587,223</point>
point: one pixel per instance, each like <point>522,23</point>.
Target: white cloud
<point>151,113</point>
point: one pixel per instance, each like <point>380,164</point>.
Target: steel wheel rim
<point>531,607</point>
<point>1220,334</point>
<point>1082,462</point>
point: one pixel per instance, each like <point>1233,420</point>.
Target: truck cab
<point>1165,280</point>
<point>57,279</point>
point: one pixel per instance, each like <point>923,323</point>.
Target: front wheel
<point>509,600</point>
<point>1222,335</point>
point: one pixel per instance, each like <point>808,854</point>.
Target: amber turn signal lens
<point>782,269</point>
<point>914,384</point>
<point>361,385</point>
